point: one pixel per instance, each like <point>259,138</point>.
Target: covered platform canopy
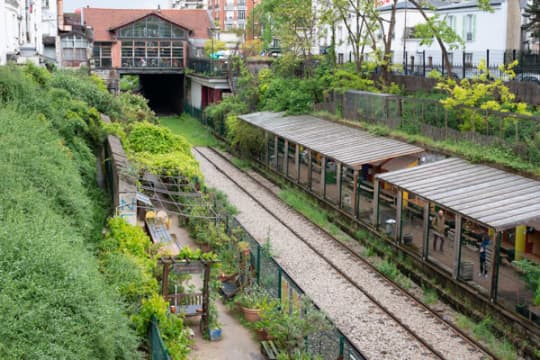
<point>348,145</point>
<point>495,198</point>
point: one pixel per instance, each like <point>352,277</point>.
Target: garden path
<point>237,342</point>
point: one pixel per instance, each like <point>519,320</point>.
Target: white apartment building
<point>188,4</point>
<point>27,30</point>
<point>480,30</point>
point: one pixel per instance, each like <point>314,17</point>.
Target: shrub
<point>153,139</point>
<point>54,302</point>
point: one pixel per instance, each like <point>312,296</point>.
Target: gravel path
<point>371,330</point>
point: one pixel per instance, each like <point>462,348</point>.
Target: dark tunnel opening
<point>165,93</point>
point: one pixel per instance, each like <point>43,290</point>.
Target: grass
<point>481,331</point>
<point>190,128</point>
<point>430,296</point>
<point>305,205</point>
<point>241,163</point>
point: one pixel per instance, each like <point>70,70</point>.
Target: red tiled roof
<point>103,20</point>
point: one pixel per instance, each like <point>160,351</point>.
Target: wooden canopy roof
<point>493,197</point>
<point>350,146</point>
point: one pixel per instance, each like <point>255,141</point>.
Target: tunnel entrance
<point>165,92</point>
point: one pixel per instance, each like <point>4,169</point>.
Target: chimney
<point>60,16</point>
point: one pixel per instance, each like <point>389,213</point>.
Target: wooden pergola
<point>194,301</point>
<point>346,145</point>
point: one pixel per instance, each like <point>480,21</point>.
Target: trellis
<point>188,267</point>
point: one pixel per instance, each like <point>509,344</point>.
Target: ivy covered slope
<point>54,302</point>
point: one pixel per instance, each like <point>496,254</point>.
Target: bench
<point>269,350</point>
<point>188,304</point>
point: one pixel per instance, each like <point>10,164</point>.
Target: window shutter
<point>474,27</point>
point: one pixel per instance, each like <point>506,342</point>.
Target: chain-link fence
<point>430,118</point>
<point>217,124</point>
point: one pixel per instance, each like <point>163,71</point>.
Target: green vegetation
<point>430,296</point>
<point>531,275</point>
<point>55,303</point>
<point>129,83</point>
<point>190,128</point>
<point>481,331</point>
<point>305,205</point>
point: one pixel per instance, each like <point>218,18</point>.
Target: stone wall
<point>124,191</point>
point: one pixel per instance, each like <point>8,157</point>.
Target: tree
<point>437,28</point>
<point>212,46</point>
<point>360,19</point>
<point>294,23</point>
<point>532,12</point>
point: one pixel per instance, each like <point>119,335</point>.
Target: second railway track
<point>410,319</point>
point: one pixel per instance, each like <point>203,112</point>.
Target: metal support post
<point>355,194</point>
<point>297,162</point>
<point>376,190</point>
<point>399,205</point>
<point>338,182</point>
<point>276,143</point>
<point>323,176</point>
<point>286,158</point>
<point>457,246</point>
<point>425,250</point>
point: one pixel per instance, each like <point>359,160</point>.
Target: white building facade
<point>27,30</point>
<point>188,4</point>
<point>488,36</point>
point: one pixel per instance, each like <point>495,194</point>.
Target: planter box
<point>215,334</point>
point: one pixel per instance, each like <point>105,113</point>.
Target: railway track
<point>416,322</point>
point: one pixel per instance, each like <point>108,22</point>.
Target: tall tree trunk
<point>388,44</point>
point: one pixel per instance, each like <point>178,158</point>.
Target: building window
<point>152,53</point>
<point>340,58</point>
<point>410,33</point>
<point>241,14</point>
<point>74,50</point>
<point>469,27</point>
<point>152,27</point>
<point>45,4</point>
<point>102,55</point>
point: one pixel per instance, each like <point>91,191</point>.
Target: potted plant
<point>250,301</point>
<point>269,314</point>
<point>214,327</point>
<point>290,327</point>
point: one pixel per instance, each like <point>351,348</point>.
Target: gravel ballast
<point>371,330</point>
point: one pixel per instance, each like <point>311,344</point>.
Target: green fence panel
<point>158,350</point>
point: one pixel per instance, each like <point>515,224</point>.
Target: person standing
<point>439,226</point>
<point>483,247</point>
